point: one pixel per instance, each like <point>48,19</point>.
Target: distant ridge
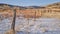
<point>31,7</point>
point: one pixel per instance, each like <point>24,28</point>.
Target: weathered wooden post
<point>35,16</point>
<point>12,30</point>
<point>13,23</point>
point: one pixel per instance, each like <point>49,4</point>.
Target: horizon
<point>29,2</point>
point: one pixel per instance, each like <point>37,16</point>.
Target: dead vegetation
<point>10,32</point>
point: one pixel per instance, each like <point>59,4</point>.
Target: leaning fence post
<point>12,30</point>
<point>13,23</point>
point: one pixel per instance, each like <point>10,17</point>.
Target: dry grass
<point>9,32</point>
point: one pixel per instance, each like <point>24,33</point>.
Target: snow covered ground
<point>25,26</point>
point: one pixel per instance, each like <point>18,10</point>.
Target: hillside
<point>54,5</point>
<point>50,10</point>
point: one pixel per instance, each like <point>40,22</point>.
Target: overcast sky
<point>29,2</point>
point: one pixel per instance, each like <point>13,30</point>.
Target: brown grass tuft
<point>10,32</point>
